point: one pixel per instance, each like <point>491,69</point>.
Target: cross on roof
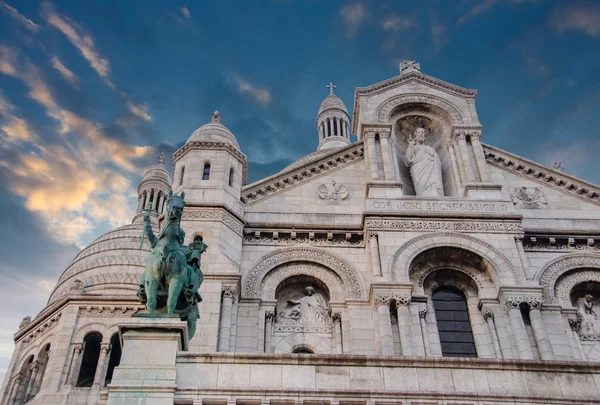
<point>330,86</point>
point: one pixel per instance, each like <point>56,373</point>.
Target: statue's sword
<point>148,209</point>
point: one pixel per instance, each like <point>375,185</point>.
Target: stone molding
<point>214,145</point>
<point>110,310</point>
<point>148,184</point>
<point>451,111</point>
<point>269,187</point>
<point>550,273</point>
<point>335,139</point>
<point>421,274</point>
<point>268,287</point>
<point>333,112</point>
<point>252,280</point>
<point>292,238</point>
<point>199,214</point>
<point>515,301</point>
<point>546,176</point>
<point>41,329</point>
<point>458,226</point>
<point>552,244</point>
<point>503,267</point>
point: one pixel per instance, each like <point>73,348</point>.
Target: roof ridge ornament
<point>216,116</point>
<point>161,159</point>
<point>331,86</point>
<point>409,66</point>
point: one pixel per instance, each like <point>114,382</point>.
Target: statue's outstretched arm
<point>149,233</point>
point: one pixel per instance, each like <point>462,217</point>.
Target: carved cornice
<point>460,226</point>
<point>546,176</point>
<point>214,145</point>
<point>199,214</point>
<point>41,329</point>
<point>110,310</point>
<point>334,139</point>
<point>293,238</point>
<point>314,169</point>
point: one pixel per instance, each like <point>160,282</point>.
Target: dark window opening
<point>181,175</point>
<point>335,126</point>
<point>328,127</point>
<point>198,238</point>
<point>89,363</point>
<point>115,357</point>
<point>206,172</point>
<point>454,325</point>
<point>231,177</point>
<point>303,350</point>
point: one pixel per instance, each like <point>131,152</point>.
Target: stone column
<point>16,390</point>
<point>479,155</point>
<point>455,171</point>
<point>337,125</point>
<point>76,363</point>
<point>402,302</point>
<point>423,322</point>
<point>102,367</point>
<point>488,317</point>
<point>464,156</point>
<point>386,339</point>
<point>374,253</point>
<point>269,315</point>
<point>369,137</point>
<point>30,389</point>
<point>154,199</point>
<point>522,257</point>
<point>574,324</point>
<point>321,129</point>
<point>144,198</point>
<point>229,293</point>
<point>518,326</point>
<point>388,169</point>
<point>160,203</point>
<point>539,331</point>
<point>140,201</point>
<point>337,329</point>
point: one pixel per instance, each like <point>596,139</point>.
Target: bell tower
<point>333,122</point>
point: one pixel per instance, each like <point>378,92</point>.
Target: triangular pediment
<point>294,175</point>
<point>543,175</point>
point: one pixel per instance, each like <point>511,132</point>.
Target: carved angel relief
<point>528,198</point>
<point>332,192</point>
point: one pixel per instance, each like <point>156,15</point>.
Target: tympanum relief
<point>528,198</point>
<point>425,166</point>
<point>589,322</point>
<point>311,308</point>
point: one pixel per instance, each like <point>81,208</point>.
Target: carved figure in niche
<point>524,197</point>
<point>425,166</point>
<point>589,328</point>
<point>333,192</point>
<point>312,308</point>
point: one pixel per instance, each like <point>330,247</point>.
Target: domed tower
<point>153,192</point>
<point>333,122</point>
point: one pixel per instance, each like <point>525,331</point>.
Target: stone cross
<point>161,158</point>
<point>408,66</point>
<point>330,86</point>
<point>558,166</point>
<point>216,116</point>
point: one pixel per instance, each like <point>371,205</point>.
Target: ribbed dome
<point>158,172</point>
<point>111,265</point>
<point>332,101</point>
<point>306,159</point>
<point>214,132</point>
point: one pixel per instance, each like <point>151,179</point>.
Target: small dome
<point>332,101</point>
<point>306,159</point>
<point>158,172</point>
<point>214,132</point>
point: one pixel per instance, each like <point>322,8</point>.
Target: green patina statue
<point>170,282</point>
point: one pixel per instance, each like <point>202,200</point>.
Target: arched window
<point>21,383</point>
<point>231,171</point>
<point>335,126</point>
<point>115,357</point>
<point>89,362</point>
<point>182,172</point>
<point>206,172</point>
<point>454,326</point>
<point>303,350</point>
<point>328,127</point>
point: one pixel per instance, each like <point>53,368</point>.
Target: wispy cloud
<point>258,94</point>
<point>482,6</point>
<point>13,12</point>
<point>438,34</point>
<point>139,110</point>
<point>64,71</point>
<point>397,23</point>
<point>13,129</point>
<point>353,16</point>
<point>80,39</point>
<point>185,12</point>
<point>577,17</point>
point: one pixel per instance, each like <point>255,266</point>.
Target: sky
<point>91,92</point>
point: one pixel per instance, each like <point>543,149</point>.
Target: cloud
<point>139,110</point>
<point>260,95</point>
<point>13,129</point>
<point>81,40</point>
<point>397,23</point>
<point>484,5</point>
<point>353,16</point>
<point>185,12</point>
<point>13,12</point>
<point>584,18</point>
<point>64,71</point>
<point>438,34</point>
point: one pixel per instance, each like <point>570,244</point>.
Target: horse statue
<point>170,282</point>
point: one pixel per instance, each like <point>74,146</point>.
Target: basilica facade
<point>414,264</point>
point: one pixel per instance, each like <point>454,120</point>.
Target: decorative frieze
<point>214,145</point>
<point>191,213</point>
<point>42,329</point>
<point>438,206</point>
<point>110,310</point>
<point>564,244</point>
<point>515,301</point>
<point>460,226</point>
<point>280,328</point>
<point>292,238</point>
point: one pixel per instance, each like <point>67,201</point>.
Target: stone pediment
<point>295,176</point>
<point>541,174</point>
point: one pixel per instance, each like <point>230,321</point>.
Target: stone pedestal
<point>147,372</point>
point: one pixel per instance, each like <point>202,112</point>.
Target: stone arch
<point>352,280</point>
<point>549,274</point>
<point>449,110</point>
<point>92,327</point>
<point>275,277</point>
<point>502,271</point>
<point>318,344</point>
<point>564,284</point>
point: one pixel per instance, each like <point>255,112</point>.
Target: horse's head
<point>175,205</point>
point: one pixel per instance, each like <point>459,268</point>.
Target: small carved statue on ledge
<point>589,328</point>
<point>425,166</point>
<point>312,308</point>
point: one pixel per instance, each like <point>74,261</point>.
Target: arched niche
<point>302,300</point>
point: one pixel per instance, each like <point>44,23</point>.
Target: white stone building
<point>484,293</point>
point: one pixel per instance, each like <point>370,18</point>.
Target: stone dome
<point>110,265</point>
<point>330,102</point>
<point>306,159</point>
<point>158,173</point>
<point>214,131</point>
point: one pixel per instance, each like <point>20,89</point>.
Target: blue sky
<point>92,92</point>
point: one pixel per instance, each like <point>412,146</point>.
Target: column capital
<point>487,314</point>
<point>515,301</point>
<point>269,316</point>
<point>574,324</point>
<point>105,348</point>
<point>78,348</point>
<point>385,132</point>
<point>422,313</point>
<point>369,133</point>
<point>383,299</point>
<point>229,291</point>
<point>402,299</point>
<point>373,235</point>
<point>337,317</point>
